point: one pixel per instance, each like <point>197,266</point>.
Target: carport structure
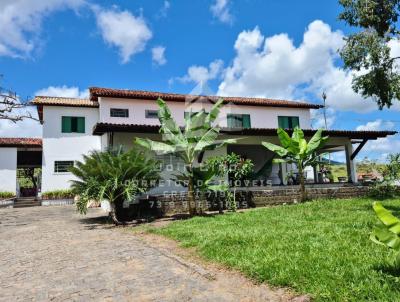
<point>19,159</point>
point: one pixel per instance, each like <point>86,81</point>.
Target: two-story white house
<point>114,117</point>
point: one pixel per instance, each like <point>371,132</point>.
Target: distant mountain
<point>332,162</point>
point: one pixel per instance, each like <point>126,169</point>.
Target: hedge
<point>58,194</point>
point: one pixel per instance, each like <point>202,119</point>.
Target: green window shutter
<point>295,122</point>
<point>186,115</point>
<point>283,122</point>
<point>81,125</point>
<point>230,121</point>
<point>66,124</point>
<point>246,121</point>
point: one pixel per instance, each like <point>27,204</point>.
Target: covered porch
<point>20,166</point>
<point>266,173</point>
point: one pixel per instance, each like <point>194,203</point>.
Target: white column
<point>284,173</point>
<point>351,166</point>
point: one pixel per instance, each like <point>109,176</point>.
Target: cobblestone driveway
<point>53,254</point>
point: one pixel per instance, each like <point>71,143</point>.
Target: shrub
<point>383,190</point>
<point>58,194</point>
<point>6,195</point>
<point>116,176</point>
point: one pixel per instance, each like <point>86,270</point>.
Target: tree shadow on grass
<point>388,269</point>
<point>105,221</point>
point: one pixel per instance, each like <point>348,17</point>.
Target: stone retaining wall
<point>178,203</point>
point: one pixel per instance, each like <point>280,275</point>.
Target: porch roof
<point>101,128</point>
<point>20,142</point>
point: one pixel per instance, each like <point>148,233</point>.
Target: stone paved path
<point>53,254</point>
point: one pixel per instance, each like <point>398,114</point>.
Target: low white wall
<point>8,170</point>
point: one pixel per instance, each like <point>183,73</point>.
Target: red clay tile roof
<point>62,101</point>
<point>96,92</point>
<point>21,142</point>
<point>101,128</point>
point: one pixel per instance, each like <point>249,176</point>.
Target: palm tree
<point>113,175</point>
<point>297,150</point>
<point>188,143</point>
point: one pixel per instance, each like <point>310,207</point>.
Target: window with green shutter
<point>239,121</point>
<point>288,122</point>
<point>73,124</point>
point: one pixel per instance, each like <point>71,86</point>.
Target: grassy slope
<point>321,248</point>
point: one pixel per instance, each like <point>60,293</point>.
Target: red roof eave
<point>20,142</point>
<point>96,92</point>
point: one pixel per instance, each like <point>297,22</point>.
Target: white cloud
<point>63,91</point>
<point>158,55</point>
<point>21,22</point>
<point>32,128</point>
<point>387,144</point>
<point>220,11</point>
<point>25,128</point>
<point>274,67</point>
<point>318,118</point>
<point>380,146</point>
<point>202,74</point>
<point>123,30</point>
<point>376,125</point>
<point>164,10</point>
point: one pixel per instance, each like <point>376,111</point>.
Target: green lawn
<point>320,248</point>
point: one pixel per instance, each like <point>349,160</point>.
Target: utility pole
<point>324,98</point>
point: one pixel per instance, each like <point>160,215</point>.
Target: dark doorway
<point>29,172</point>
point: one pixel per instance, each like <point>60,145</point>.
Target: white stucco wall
<point>59,146</point>
<point>8,170</point>
<point>261,117</point>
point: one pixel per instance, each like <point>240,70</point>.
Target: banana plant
<point>387,233</point>
<point>188,143</point>
<point>297,150</point>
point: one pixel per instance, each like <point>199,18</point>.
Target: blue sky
<point>278,49</point>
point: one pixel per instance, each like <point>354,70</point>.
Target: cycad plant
<point>388,232</point>
<point>297,150</point>
<point>113,175</point>
<point>189,143</point>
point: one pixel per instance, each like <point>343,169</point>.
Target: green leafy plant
<point>387,188</point>
<point>189,143</point>
<point>367,51</point>
<point>58,194</point>
<point>388,233</point>
<point>383,190</point>
<point>6,195</point>
<point>297,150</point>
<point>236,169</point>
<point>391,170</point>
<point>116,176</point>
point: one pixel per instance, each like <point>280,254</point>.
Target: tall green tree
<point>367,52</point>
<point>189,143</point>
<point>116,176</point>
<point>296,150</point>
